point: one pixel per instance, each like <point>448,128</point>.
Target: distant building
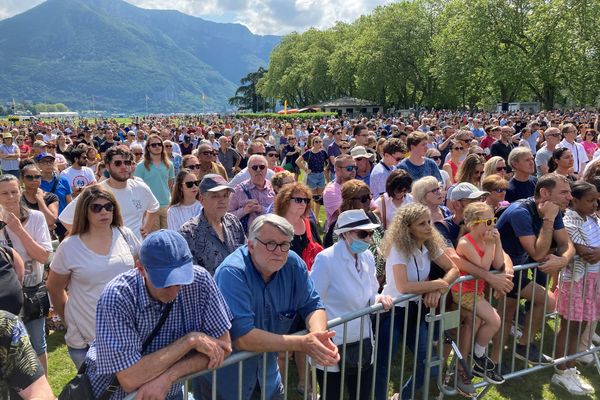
<point>350,106</point>
<point>530,107</point>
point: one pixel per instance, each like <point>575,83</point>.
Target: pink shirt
<point>238,199</point>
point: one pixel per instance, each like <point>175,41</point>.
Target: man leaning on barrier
<point>532,230</point>
<point>194,335</point>
<point>267,288</point>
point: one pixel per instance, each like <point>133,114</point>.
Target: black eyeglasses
<point>436,158</point>
<point>33,177</point>
<point>191,184</point>
<point>206,153</point>
<point>299,200</point>
<point>458,148</point>
<point>498,169</point>
<point>364,234</point>
<point>96,208</point>
<point>257,167</point>
<point>155,145</point>
<point>118,163</point>
<point>193,166</point>
<point>137,153</point>
<point>168,146</point>
<point>271,246</point>
<point>363,199</point>
<point>259,154</point>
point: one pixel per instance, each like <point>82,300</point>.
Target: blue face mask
<point>358,246</point>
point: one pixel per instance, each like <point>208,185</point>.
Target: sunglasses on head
<point>363,199</point>
<point>96,208</point>
<point>364,234</point>
<point>33,177</point>
<point>155,145</point>
<point>191,184</point>
<point>487,221</point>
<point>299,200</point>
<point>257,167</point>
<point>118,163</point>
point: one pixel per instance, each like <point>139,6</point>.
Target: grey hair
<point>274,220</point>
<point>516,153</point>
<point>257,157</point>
<point>136,146</point>
<point>9,177</point>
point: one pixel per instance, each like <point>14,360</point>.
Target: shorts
<point>467,300</point>
<point>315,180</point>
<point>571,301</point>
<point>36,329</point>
<point>523,276</point>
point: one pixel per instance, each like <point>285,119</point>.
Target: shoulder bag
<point>312,248</point>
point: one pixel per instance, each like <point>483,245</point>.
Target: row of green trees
<point>446,53</point>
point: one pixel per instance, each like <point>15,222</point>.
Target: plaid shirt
<point>126,316</point>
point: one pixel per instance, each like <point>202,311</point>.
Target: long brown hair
<point>177,193</point>
<point>163,155</point>
<point>81,223</point>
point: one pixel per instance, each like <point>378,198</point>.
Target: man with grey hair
<point>552,136</point>
<point>522,184</point>
<point>267,288</point>
<point>252,197</point>
<point>569,133</point>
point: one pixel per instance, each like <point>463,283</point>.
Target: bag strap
<point>114,384</point>
<point>246,191</point>
<point>9,242</point>
<point>126,241</point>
<point>55,184</point>
<point>383,212</point>
<point>308,230</point>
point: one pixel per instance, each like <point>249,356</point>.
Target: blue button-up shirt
<point>270,306</point>
<point>126,316</point>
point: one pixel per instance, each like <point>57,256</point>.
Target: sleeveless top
<point>469,286</point>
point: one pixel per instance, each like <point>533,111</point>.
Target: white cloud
<point>260,16</point>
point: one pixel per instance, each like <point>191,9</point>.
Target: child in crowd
<point>482,247</point>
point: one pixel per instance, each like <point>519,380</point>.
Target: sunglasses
<point>51,146</point>
<point>299,200</point>
<point>155,145</point>
<point>33,177</point>
<point>259,154</point>
<point>350,168</point>
<point>498,169</point>
<point>137,153</point>
<point>458,148</point>
<point>364,234</point>
<point>206,153</point>
<point>96,208</point>
<point>257,167</point>
<point>272,155</point>
<point>168,146</point>
<point>193,166</point>
<point>488,221</point>
<point>317,142</point>
<point>499,190</point>
<point>363,199</point>
<point>436,158</point>
<point>345,148</point>
<point>118,163</point>
<point>191,184</point>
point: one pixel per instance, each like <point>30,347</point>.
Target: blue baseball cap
<point>167,259</point>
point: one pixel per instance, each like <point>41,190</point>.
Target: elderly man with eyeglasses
<point>268,289</point>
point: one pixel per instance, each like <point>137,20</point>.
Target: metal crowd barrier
<point>442,350</point>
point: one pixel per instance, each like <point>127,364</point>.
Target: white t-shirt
<point>38,230</point>
<point>79,177</point>
<point>390,207</point>
<point>179,214</point>
<point>579,155</point>
<point>135,199</point>
<point>417,267</point>
<point>89,273</point>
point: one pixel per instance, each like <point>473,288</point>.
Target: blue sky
<point>260,16</point>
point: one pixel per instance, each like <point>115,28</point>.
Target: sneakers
<point>464,384</point>
<point>485,368</point>
<point>535,356</point>
<point>596,339</point>
<point>572,382</point>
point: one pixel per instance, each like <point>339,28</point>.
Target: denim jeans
<point>384,353</point>
<point>36,328</point>
<point>77,356</point>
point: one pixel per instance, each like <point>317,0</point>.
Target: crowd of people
<point>179,240</point>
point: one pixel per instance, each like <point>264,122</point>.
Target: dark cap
<point>214,183</point>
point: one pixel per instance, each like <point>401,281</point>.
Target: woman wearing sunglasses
<point>99,249</point>
<point>185,202</point>
<point>26,232</point>
<point>497,187</point>
<point>494,166</point>
<point>428,192</point>
<point>344,277</point>
<point>457,150</point>
<point>314,162</point>
<point>34,197</point>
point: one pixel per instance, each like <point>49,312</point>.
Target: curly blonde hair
<point>398,234</point>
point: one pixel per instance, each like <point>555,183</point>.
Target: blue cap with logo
<point>167,259</point>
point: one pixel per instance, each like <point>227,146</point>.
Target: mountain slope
<point>71,50</point>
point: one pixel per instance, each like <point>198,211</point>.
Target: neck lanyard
<point>417,265</point>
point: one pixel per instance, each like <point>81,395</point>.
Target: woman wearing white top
<point>344,277</point>
<point>185,203</point>
<point>410,245</point>
<point>397,194</point>
<point>99,249</point>
<point>26,232</point>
